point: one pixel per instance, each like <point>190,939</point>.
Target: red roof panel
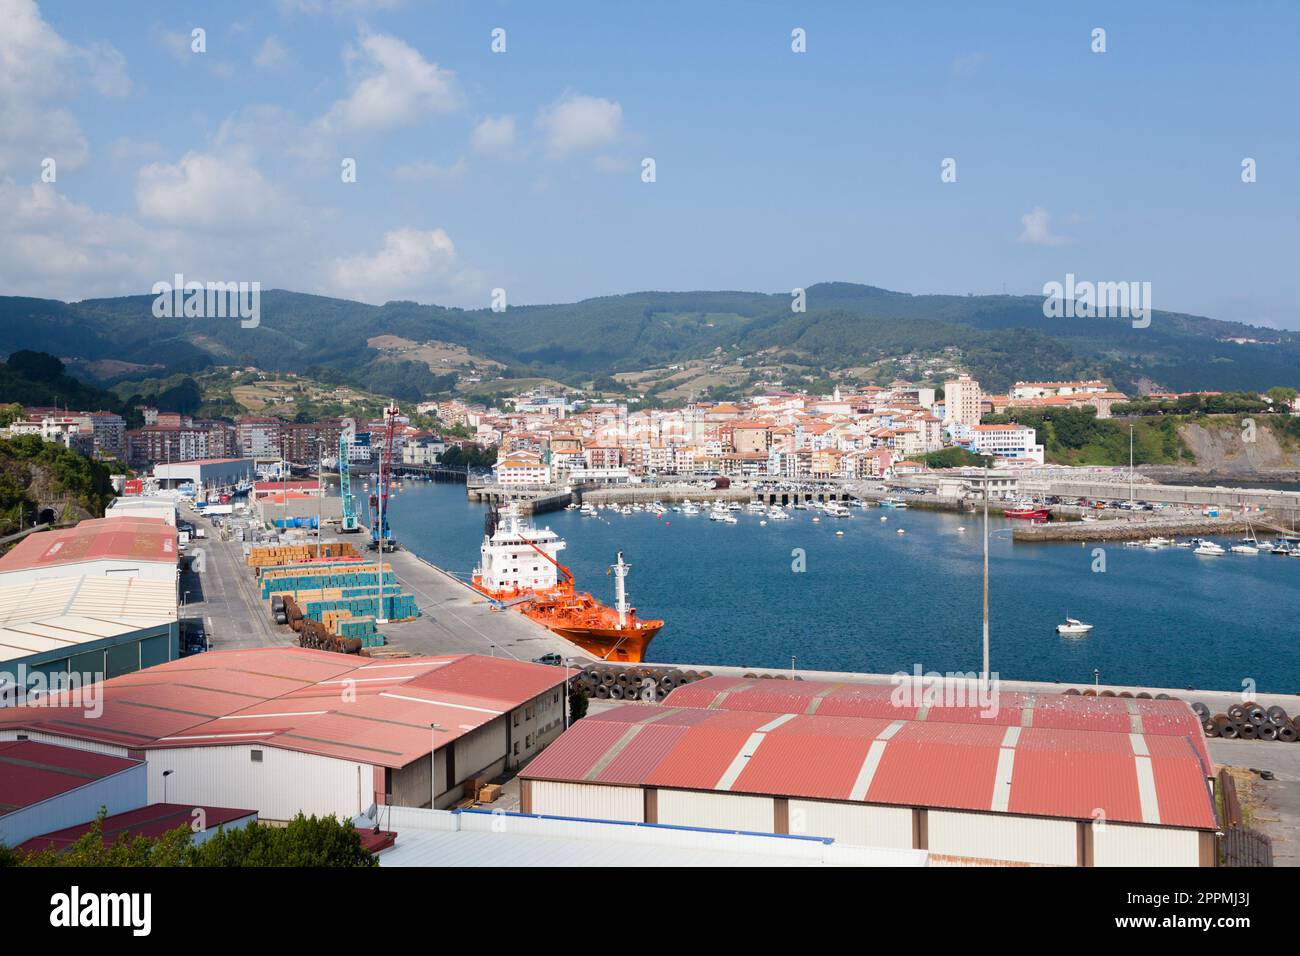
<point>294,698</point>
<point>1053,772</point>
<point>97,539</point>
<point>31,772</point>
<point>152,821</point>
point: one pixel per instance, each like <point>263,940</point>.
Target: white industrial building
<point>205,472</point>
<point>45,788</point>
<point>137,506</point>
<point>90,627</point>
<point>1025,785</point>
<point>484,838</point>
<point>283,730</point>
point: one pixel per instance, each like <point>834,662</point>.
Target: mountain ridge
<point>999,338</point>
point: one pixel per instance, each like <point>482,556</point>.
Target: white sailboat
<point>1248,545</point>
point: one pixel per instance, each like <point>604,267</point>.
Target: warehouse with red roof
<point>283,730</point>
<point>1035,780</point>
<point>142,548</point>
<point>44,787</point>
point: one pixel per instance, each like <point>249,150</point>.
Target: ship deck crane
<point>561,568</point>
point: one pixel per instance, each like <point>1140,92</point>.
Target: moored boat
<point>519,569</point>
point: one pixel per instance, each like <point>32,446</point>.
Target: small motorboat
<point>1209,548</point>
<point>1073,625</point>
<point>1244,549</point>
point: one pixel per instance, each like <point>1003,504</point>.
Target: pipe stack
<point>1249,721</point>
<point>645,683</point>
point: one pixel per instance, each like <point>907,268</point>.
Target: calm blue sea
<point>874,600</point>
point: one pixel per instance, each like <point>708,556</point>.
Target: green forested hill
<point>1000,338</point>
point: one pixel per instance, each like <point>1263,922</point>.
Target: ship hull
<point>582,620</point>
<point>611,644</point>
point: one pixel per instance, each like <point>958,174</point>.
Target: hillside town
<point>552,435</point>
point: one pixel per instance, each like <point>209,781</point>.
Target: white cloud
<point>1037,229</point>
<point>272,55</point>
<point>39,72</point>
<point>580,123</point>
<point>208,191</point>
<point>494,135</point>
<point>51,246</point>
<point>395,87</point>
<point>412,263</point>
<point>107,67</point>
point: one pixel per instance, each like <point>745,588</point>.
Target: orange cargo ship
<point>519,569</point>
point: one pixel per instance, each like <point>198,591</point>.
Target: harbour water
<point>876,601</point>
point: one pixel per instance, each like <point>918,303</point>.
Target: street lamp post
<point>986,576</point>
<point>166,774</point>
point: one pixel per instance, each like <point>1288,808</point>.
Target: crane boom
<point>562,569</point>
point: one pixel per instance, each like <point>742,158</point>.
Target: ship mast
<point>620,570</point>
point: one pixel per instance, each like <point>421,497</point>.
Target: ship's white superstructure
<point>507,560</point>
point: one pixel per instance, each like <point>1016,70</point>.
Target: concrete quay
<point>1191,496</point>
<point>1217,700</point>
<point>454,618</point>
<point>1138,528</point>
<point>634,494</point>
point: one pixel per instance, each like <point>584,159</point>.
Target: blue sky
<point>522,170</point>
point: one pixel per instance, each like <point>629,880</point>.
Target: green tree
<point>307,841</point>
<point>91,850</point>
<point>577,705</point>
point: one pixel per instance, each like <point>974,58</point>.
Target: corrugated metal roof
<point>151,821</point>
<point>1039,771</point>
<point>299,699</point>
<point>1120,715</point>
<point>60,613</point>
<point>31,772</point>
<point>127,538</point>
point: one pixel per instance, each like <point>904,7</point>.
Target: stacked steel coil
<point>635,682</point>
<point>1249,721</point>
